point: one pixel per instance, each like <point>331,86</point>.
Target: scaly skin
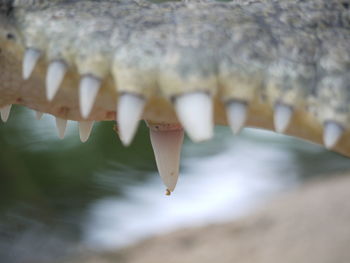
<point>262,52</point>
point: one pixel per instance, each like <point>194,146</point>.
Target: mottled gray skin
<point>263,52</point>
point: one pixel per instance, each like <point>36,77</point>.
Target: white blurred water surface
<point>219,180</point>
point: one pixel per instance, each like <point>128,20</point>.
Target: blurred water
<point>211,188</point>
<point>58,196</point>
<point>237,174</point>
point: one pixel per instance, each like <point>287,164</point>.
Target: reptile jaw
<point>202,70</point>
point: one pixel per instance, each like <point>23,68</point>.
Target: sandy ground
<point>310,224</point>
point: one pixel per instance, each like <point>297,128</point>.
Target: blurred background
<point>61,196</point>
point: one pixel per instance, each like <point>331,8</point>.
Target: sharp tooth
<point>61,125</point>
<point>282,117</point>
<point>54,78</point>
<point>236,115</point>
<point>195,112</point>
<point>85,128</point>
<point>89,87</point>
<point>167,148</point>
<point>331,134</point>
<point>38,115</point>
<point>30,60</point>
<point>5,112</point>
<point>129,112</point>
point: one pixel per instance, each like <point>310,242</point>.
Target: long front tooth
<point>195,112</point>
<point>89,87</point>
<point>332,132</point>
<point>30,60</point>
<point>54,78</point>
<point>61,125</point>
<point>236,115</point>
<point>167,148</point>
<point>85,128</point>
<point>5,112</point>
<point>38,115</point>
<point>282,117</point>
<point>129,112</point>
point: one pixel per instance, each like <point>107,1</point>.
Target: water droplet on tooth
<point>54,78</point>
<point>31,57</point>
<point>88,89</point>
<point>195,112</point>
<point>38,115</point>
<point>236,115</point>
<point>332,132</point>
<point>5,112</point>
<point>61,125</point>
<point>167,148</point>
<point>282,117</point>
<point>85,128</point>
<point>129,111</point>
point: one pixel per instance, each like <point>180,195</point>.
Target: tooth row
<point>194,110</point>
<point>132,106</point>
<point>85,127</point>
<point>167,143</point>
<point>88,88</point>
<point>198,122</point>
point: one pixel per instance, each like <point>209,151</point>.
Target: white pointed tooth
<point>54,78</point>
<point>38,115</point>
<point>85,128</point>
<point>167,148</point>
<point>129,112</point>
<point>195,112</point>
<point>236,115</point>
<point>332,132</point>
<point>5,112</point>
<point>282,117</point>
<point>30,60</point>
<point>88,89</point>
<point>61,125</point>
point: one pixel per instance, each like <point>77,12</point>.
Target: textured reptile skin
<point>291,52</point>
